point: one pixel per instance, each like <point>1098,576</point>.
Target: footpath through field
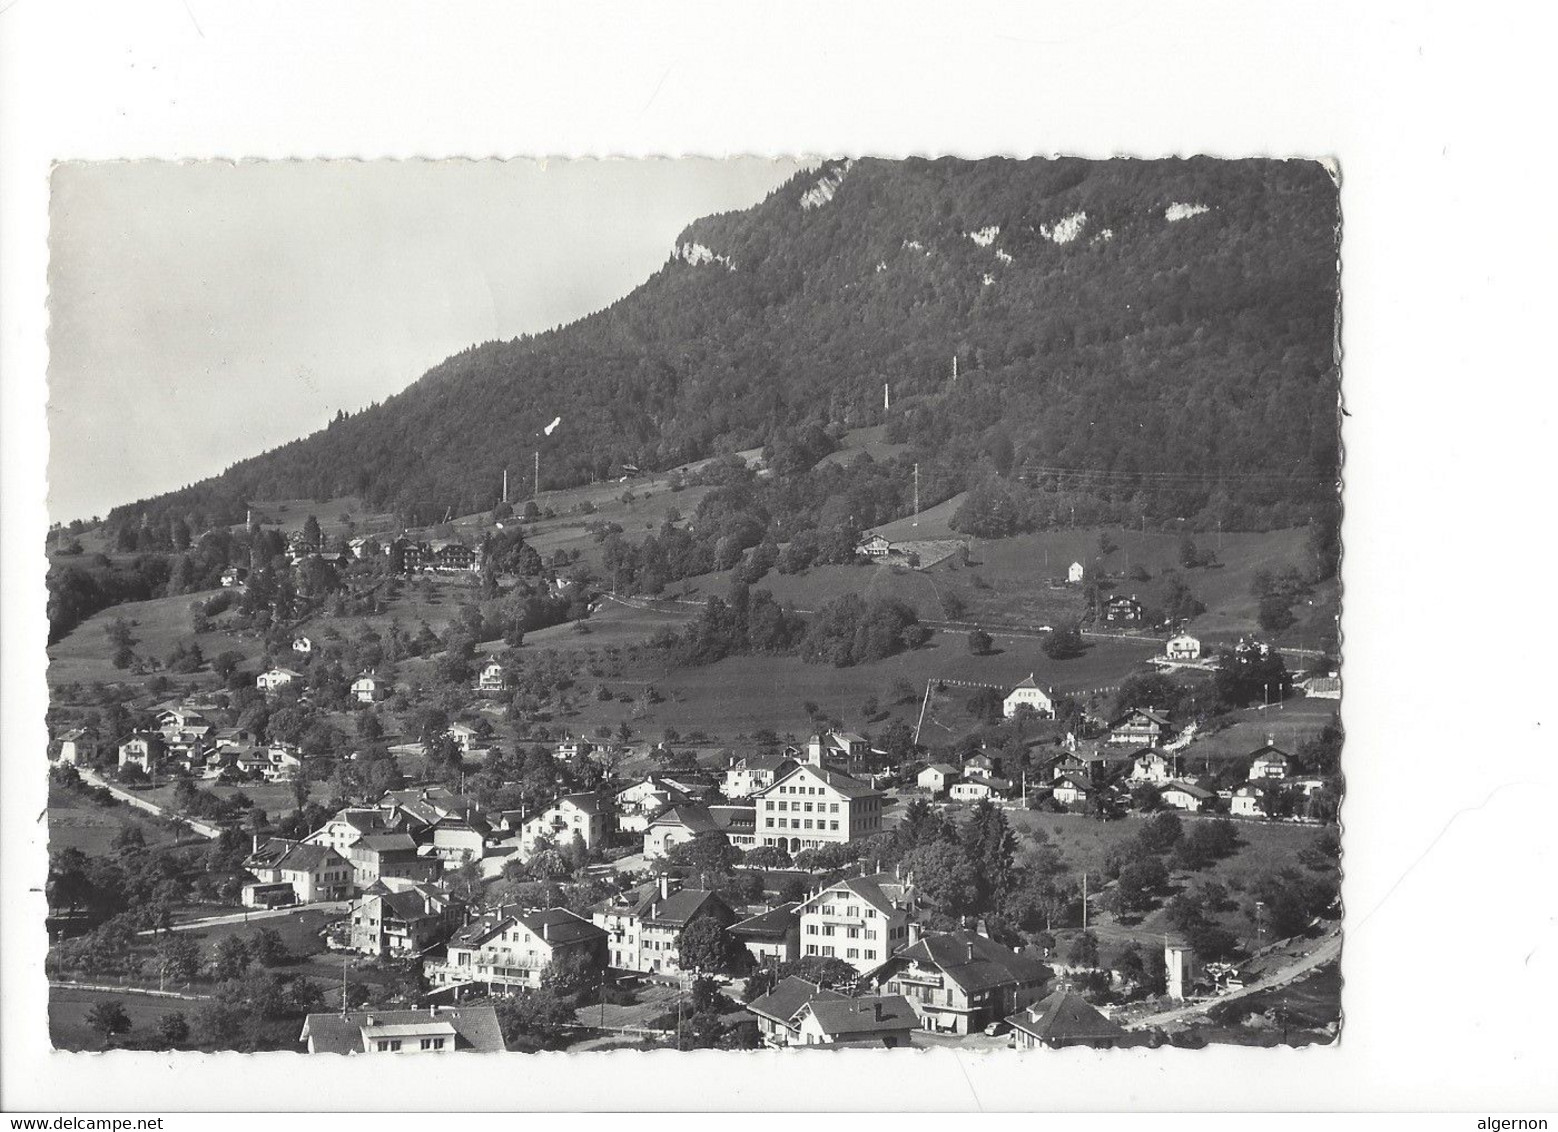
<point>92,778</point>
<point>254,915</point>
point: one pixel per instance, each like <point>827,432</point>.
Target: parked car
<point>996,1029</point>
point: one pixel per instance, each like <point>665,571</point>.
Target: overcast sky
<point>202,313</point>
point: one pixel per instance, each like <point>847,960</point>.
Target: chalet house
<point>493,678</point>
<point>584,815</point>
<point>778,1011</point>
<point>292,872</point>
<point>1187,796</point>
<point>451,556</point>
<point>275,678</point>
<point>184,725</point>
<point>875,547</point>
<point>1075,574</point>
<point>686,821</point>
<point>1096,768</point>
<point>1063,1019</point>
<point>747,774</point>
<point>369,689</point>
<point>282,763</point>
<point>638,803</point>
<point>644,931</point>
<point>1323,687</point>
<point>1270,762</point>
<point>1140,727</point>
<point>937,777</point>
<point>1248,801</point>
<point>512,951</point>
<point>1028,694</point>
<point>861,920</point>
<point>811,806</point>
<point>1183,647</point>
<point>1150,765</point>
<point>1121,610</point>
<point>771,936</point>
<point>144,749</point>
<point>436,1029</point>
<point>234,576</point>
<point>878,1021</point>
<point>303,645</point>
<point>960,981</point>
<point>397,919</point>
<point>1072,790</point>
<point>982,766</point>
<point>405,555</point>
<point>78,745</point>
<point>571,750</point>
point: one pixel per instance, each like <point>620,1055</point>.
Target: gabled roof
<point>681,907</point>
<point>788,997</point>
<point>1066,1016</point>
<point>589,803</point>
<point>385,842</point>
<point>291,856</point>
<point>1156,717</point>
<point>1189,788</point>
<point>558,925</point>
<point>943,768</point>
<point>770,761</point>
<point>475,1028</point>
<point>691,815</point>
<point>847,1016</point>
<point>1027,682</point>
<point>879,890</point>
<point>842,783</point>
<point>772,923</point>
<point>972,961</point>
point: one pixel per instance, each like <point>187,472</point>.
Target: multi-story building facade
<point>644,931</point>
<point>400,919</point>
<point>511,951</point>
<point>811,807</point>
<point>959,982</point>
<point>861,920</point>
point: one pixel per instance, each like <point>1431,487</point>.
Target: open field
<point>274,797</point>
<point>338,518</point>
<point>1289,726</point>
<point>86,656</point>
<point>864,441</point>
<point>69,1007</point>
<point>75,823</point>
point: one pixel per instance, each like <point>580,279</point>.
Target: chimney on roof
<point>546,931</point>
<point>969,945</point>
<point>665,886</point>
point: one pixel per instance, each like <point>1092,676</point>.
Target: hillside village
<point>429,839</point>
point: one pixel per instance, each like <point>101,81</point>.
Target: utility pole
<point>505,485</point>
<point>1084,899</point>
<point>538,474</point>
<point>916,495</point>
<point>887,396</point>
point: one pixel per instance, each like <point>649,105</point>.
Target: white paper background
<point>1436,114</point>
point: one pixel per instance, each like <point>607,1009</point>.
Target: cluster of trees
<point>850,630</point>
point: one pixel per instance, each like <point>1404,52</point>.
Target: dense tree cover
<point>1234,307</point>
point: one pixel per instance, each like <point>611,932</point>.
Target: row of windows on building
<point>828,951</point>
<point>784,823</point>
<point>852,933</point>
<point>392,1045</point>
<point>806,807</point>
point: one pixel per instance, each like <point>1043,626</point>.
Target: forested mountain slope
<point>1165,327</point>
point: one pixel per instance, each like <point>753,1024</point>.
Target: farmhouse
<point>861,920</point>
<point>811,806</point>
<point>292,872</point>
<point>883,1020</point>
<point>960,981</point>
<point>1075,574</point>
<point>1028,694</point>
<point>937,777</point>
<point>437,1029</point>
<point>778,1011</point>
<point>875,547</point>
<point>1183,647</point>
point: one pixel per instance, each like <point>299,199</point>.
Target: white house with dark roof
<point>878,1021</point>
<point>861,920</point>
<point>771,936</point>
<point>1063,1019</point>
<point>1028,694</point>
<point>1183,647</point>
<point>686,820</point>
<point>778,1012</point>
<point>434,1029</point>
<point>585,815</point>
<point>960,981</point>
<point>1075,573</point>
<point>643,928</point>
<point>492,678</point>
<point>273,678</point>
<point>369,689</point>
<point>1187,796</point>
<point>747,774</point>
<point>811,806</point>
<point>1248,801</point>
<point>312,873</point>
<point>512,950</point>
<point>1270,762</point>
<point>937,777</point>
<point>1152,765</point>
<point>1140,727</point>
<point>78,745</point>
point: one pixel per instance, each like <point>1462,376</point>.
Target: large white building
<point>811,807</point>
<point>1028,694</point>
<point>861,920</point>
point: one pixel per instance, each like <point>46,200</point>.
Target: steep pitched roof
<point>774,922</point>
<point>1189,788</point>
<point>589,802</point>
<point>849,1016</point>
<point>1066,1016</point>
<point>944,768</point>
<point>843,783</point>
<point>681,907</point>
<point>385,842</point>
<point>787,997</point>
<point>558,925</point>
<point>475,1028</point>
<point>879,890</point>
<point>972,961</point>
